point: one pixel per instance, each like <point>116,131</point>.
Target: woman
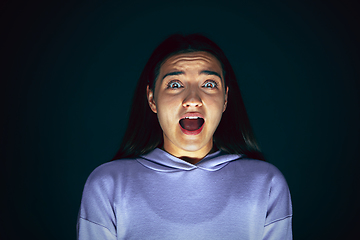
<point>189,166</point>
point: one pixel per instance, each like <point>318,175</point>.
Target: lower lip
<point>187,132</point>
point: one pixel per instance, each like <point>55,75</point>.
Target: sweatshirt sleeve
<point>278,223</point>
<point>87,230</point>
<point>96,219</point>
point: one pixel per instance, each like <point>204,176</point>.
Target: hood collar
<point>160,160</point>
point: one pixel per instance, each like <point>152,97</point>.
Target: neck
<point>193,160</point>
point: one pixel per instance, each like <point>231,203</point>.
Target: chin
<point>192,147</point>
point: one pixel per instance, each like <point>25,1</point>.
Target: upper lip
<point>192,114</point>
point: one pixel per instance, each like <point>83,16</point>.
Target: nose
<point>192,100</point>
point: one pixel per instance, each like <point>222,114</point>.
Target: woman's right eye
<point>174,85</point>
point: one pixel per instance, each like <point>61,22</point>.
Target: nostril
<point>193,104</point>
<point>192,100</point>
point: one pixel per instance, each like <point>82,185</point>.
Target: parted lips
<point>191,123</point>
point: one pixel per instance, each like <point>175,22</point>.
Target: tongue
<point>191,124</point>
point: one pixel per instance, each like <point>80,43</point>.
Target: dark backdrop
<point>68,72</point>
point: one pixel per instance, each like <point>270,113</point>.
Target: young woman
<point>189,166</point>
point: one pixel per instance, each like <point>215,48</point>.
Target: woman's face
<point>189,100</point>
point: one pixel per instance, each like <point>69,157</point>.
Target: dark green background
<point>68,73</point>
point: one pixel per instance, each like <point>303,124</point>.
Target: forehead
<point>184,61</point>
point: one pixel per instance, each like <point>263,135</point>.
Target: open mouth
<point>191,125</point>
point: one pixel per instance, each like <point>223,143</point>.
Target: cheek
<point>216,104</point>
<point>215,109</point>
<point>166,113</point>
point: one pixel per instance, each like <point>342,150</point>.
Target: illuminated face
<point>189,100</point>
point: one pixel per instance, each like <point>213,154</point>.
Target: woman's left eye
<point>174,85</point>
<point>210,84</point>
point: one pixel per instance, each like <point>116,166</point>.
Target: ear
<point>226,98</point>
<point>150,98</point>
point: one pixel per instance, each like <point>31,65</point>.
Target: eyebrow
<point>207,72</point>
<point>173,74</point>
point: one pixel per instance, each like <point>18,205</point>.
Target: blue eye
<point>174,85</point>
<point>210,84</point>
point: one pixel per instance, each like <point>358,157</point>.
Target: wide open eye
<point>174,85</point>
<point>210,84</point>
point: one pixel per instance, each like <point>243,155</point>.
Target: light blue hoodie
<point>159,196</point>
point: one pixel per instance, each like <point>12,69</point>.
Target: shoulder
<point>110,168</point>
<point>270,177</point>
<point>260,171</point>
<point>257,167</point>
<point>105,176</point>
<point>267,176</point>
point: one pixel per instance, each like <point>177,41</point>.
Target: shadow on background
<point>69,71</point>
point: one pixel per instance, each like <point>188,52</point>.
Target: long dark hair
<point>143,134</point>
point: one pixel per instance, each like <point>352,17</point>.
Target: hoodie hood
<point>160,160</point>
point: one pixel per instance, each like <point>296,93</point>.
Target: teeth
<point>192,117</point>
